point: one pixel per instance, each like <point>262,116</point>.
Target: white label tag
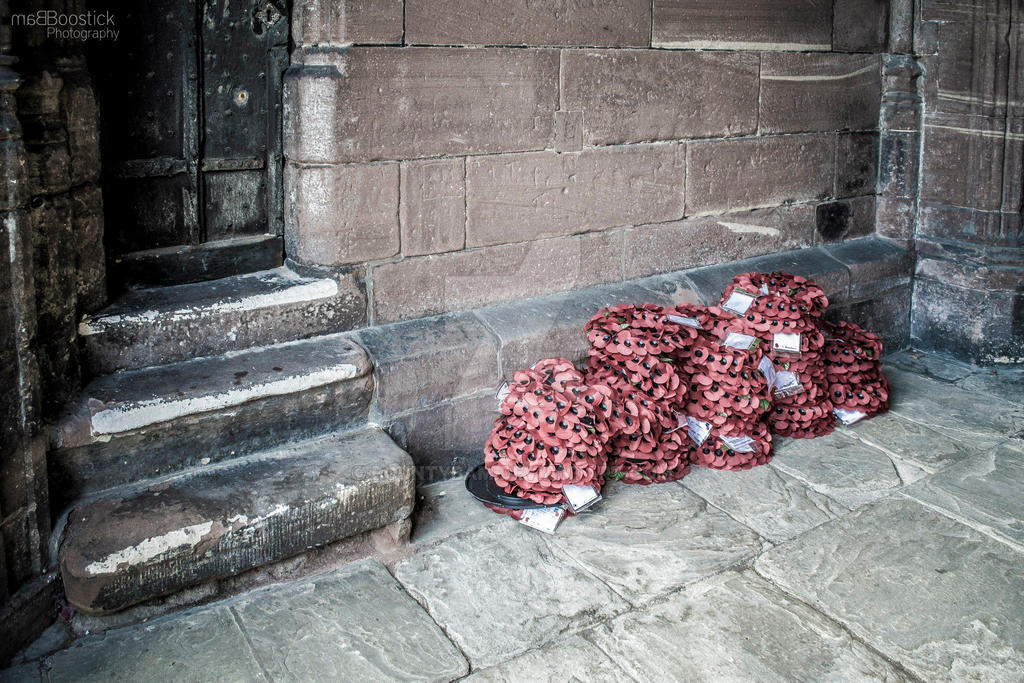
<point>744,342</point>
<point>543,519</point>
<point>683,320</point>
<point>848,417</point>
<point>739,302</point>
<point>787,384</point>
<point>740,444</point>
<point>790,343</point>
<point>764,289</point>
<point>502,392</point>
<point>680,423</point>
<point>697,430</point>
<point>767,370</point>
<point>580,497</point>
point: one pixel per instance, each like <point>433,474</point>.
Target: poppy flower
<point>553,431</point>
<point>853,369</point>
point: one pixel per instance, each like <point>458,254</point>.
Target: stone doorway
<point>191,131</point>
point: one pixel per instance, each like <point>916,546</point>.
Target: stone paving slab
<point>1005,384</point>
<point>356,624</point>
<point>770,502</point>
<point>930,365</point>
<point>845,469</point>
<point>573,659</point>
<point>985,491</point>
<point>910,442</point>
<point>501,590</point>
<point>736,627</point>
<point>944,600</point>
<point>954,412</point>
<point>645,541</point>
<point>204,645</point>
<point>446,508</point>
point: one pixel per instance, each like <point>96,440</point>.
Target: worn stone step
<point>137,544</point>
<point>169,324</point>
<point>139,424</point>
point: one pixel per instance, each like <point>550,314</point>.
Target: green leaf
<point>747,396</point>
<point>607,313</point>
<point>624,326</point>
<point>665,359</point>
<point>754,344</point>
<point>765,405</point>
<point>615,475</point>
<point>591,430</point>
<point>786,365</point>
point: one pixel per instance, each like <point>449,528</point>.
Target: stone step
<point>139,543</point>
<point>162,325</point>
<point>144,423</point>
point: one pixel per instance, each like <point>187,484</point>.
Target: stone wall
<point>469,152</point>
<point>59,113</point>
<point>969,284</point>
<point>51,271</point>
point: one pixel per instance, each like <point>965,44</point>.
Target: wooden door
<point>190,98</point>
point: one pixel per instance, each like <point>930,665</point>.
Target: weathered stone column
<point>23,485</point>
<point>969,292</point>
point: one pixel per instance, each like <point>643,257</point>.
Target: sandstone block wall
<point>461,153</point>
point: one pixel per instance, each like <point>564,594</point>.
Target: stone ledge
<point>813,262</point>
<point>548,326</point>
<point>420,362</point>
<point>876,265</point>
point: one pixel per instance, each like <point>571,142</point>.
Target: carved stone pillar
<point>969,293</point>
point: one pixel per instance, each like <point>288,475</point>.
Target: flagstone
<point>941,598</point>
<point>770,502</point>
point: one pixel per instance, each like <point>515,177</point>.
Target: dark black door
<point>191,136</point>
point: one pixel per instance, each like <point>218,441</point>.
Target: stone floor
<point>889,550</point>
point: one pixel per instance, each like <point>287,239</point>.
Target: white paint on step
<point>746,228</point>
<point>242,520</point>
<point>143,413</point>
<point>188,536</point>
<point>299,293</point>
